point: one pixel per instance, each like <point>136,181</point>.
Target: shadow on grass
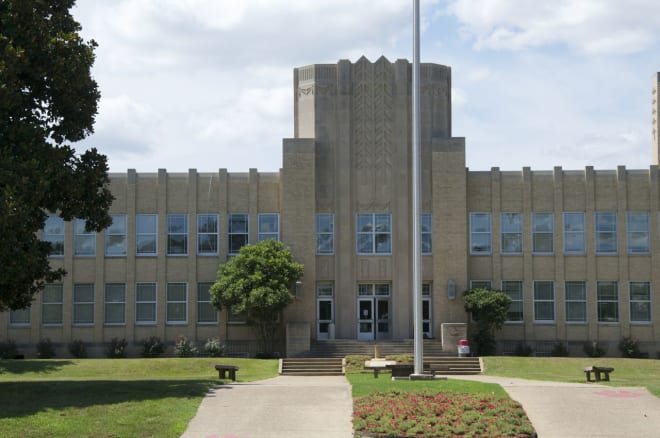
<point>21,399</point>
<point>32,366</point>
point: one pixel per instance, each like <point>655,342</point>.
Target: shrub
<point>559,350</point>
<point>401,358</point>
<point>77,349</point>
<point>488,310</point>
<point>355,362</point>
<point>629,347</point>
<point>593,349</point>
<point>214,347</point>
<point>523,350</point>
<point>184,347</point>
<point>152,347</point>
<point>45,349</point>
<point>8,349</point>
<point>116,349</point>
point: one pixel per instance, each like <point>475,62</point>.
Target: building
<point>575,249</point>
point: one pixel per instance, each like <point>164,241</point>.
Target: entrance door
<point>366,319</point>
<point>383,318</point>
<point>324,311</point>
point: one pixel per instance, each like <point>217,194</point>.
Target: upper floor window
<point>238,232</point>
<point>638,231</point>
<point>543,228</point>
<point>511,225</point>
<point>269,226</point>
<point>640,301</point>
<point>207,234</point>
<point>51,304</point>
<point>206,311</point>
<point>607,295</point>
<point>177,234</point>
<point>84,242</point>
<point>605,232</point>
<point>574,233</point>
<point>480,233</point>
<point>544,301</point>
<point>115,236</point>
<point>146,234</point>
<point>54,233</point>
<point>576,301</point>
<point>374,233</point>
<point>325,233</point>
<point>427,233</point>
<point>514,289</point>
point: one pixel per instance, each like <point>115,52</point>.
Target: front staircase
<point>347,347</point>
<point>312,367</point>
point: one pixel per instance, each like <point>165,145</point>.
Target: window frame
<point>601,301</point>
<point>107,303</point>
<point>144,303</point>
<point>537,224</point>
<point>25,322</point>
<point>147,234</point>
<point>169,302</point>
<point>231,233</point>
<point>516,233</point>
<point>538,301</point>
<point>426,228</point>
<point>322,236</point>
<point>581,232</point>
<point>200,303</point>
<point>80,234</point>
<point>646,232</point>
<point>110,232</point>
<point>265,235</point>
<point>519,301</point>
<point>216,233</point>
<point>77,304</point>
<point>60,304</point>
<point>473,233</point>
<point>598,233</point>
<point>57,251</point>
<point>172,234</point>
<point>573,302</point>
<point>648,301</point>
<point>374,234</point>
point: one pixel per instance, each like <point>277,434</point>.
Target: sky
<point>208,84</point>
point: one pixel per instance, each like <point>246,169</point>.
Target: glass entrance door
<point>325,317</point>
<point>374,311</point>
<point>383,318</point>
<point>366,319</point>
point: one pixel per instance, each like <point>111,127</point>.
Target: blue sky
<point>207,84</point>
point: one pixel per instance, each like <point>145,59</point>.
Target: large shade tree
<point>258,283</point>
<point>48,100</point>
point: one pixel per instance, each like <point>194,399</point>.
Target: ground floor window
<point>51,304</point>
<point>115,303</point>
<point>576,301</point>
<point>607,294</point>
<point>640,301</point>
<point>206,311</point>
<point>514,289</point>
<point>19,317</point>
<point>145,303</point>
<point>83,304</point>
<point>177,303</point>
<point>544,301</point>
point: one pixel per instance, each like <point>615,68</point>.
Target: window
<point>427,302</point>
<point>269,226</point>
<point>576,301</point>
<point>206,311</point>
<point>177,234</point>
<point>574,233</point>
<point>543,227</point>
<point>19,317</point>
<point>427,233</point>
<point>145,303</point>
<point>51,304</point>
<point>544,301</point>
<point>374,233</point>
<point>238,232</point>
<point>640,301</point>
<point>83,304</point>
<point>207,234</point>
<point>607,294</point>
<point>84,242</point>
<point>146,234</point>
<point>511,228</point>
<point>638,231</point>
<point>480,233</point>
<point>177,303</point>
<point>115,236</point>
<point>514,289</point>
<point>605,232</point>
<point>480,284</point>
<point>115,303</point>
<point>54,233</point>
<point>325,234</point>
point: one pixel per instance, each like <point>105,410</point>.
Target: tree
<point>48,100</point>
<point>258,283</point>
<point>489,310</point>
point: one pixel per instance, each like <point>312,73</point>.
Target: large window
<point>83,304</point>
<point>207,234</point>
<point>427,233</point>
<point>325,234</point>
<point>54,233</point>
<point>514,289</point>
<point>177,234</point>
<point>374,233</point>
<point>480,233</point>
<point>238,232</point>
<point>146,234</point>
<point>606,232</point>
<point>115,303</point>
<point>576,301</point>
<point>607,295</point>
<point>544,301</point>
<point>269,226</point>
<point>19,317</point>
<point>480,284</point>
<point>574,233</point>
<point>145,303</point>
<point>177,303</point>
<point>511,230</point>
<point>638,232</point>
<point>543,228</point>
<point>640,301</point>
<point>206,311</point>
<point>84,242</point>
<point>115,236</point>
<point>51,304</point>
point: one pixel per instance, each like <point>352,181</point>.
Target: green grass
<point>110,397</point>
<point>627,372</point>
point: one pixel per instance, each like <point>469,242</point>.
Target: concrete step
<point>311,367</point>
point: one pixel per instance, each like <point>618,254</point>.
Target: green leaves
<point>489,311</point>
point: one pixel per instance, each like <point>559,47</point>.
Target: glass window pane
<point>176,292</point>
<point>146,292</point>
<point>640,311</point>
<point>145,312</point>
<point>576,311</point>
<point>480,222</point>
<point>573,221</point>
<point>114,313</point>
<point>206,312</point>
<point>118,225</point>
<point>176,312</point>
<point>640,291</point>
<point>83,293</point>
<point>511,222</point>
<point>576,290</point>
<point>383,223</point>
<point>512,243</point>
<point>238,223</point>
<point>480,243</point>
<point>543,222</point>
<point>51,313</point>
<point>19,316</point>
<point>146,223</point>
<point>383,243</point>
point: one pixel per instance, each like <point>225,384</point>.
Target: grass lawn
<point>110,397</point>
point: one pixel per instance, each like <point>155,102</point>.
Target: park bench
<point>224,369</point>
<point>597,373</point>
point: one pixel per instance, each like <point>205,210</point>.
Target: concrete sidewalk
<point>567,410</point>
<point>285,406</point>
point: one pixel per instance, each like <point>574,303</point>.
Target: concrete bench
<point>605,371</point>
<point>224,369</point>
<point>400,370</point>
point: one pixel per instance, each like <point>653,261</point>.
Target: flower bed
<point>437,414</point>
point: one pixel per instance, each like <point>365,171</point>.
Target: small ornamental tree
<point>488,309</point>
<point>258,283</point>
